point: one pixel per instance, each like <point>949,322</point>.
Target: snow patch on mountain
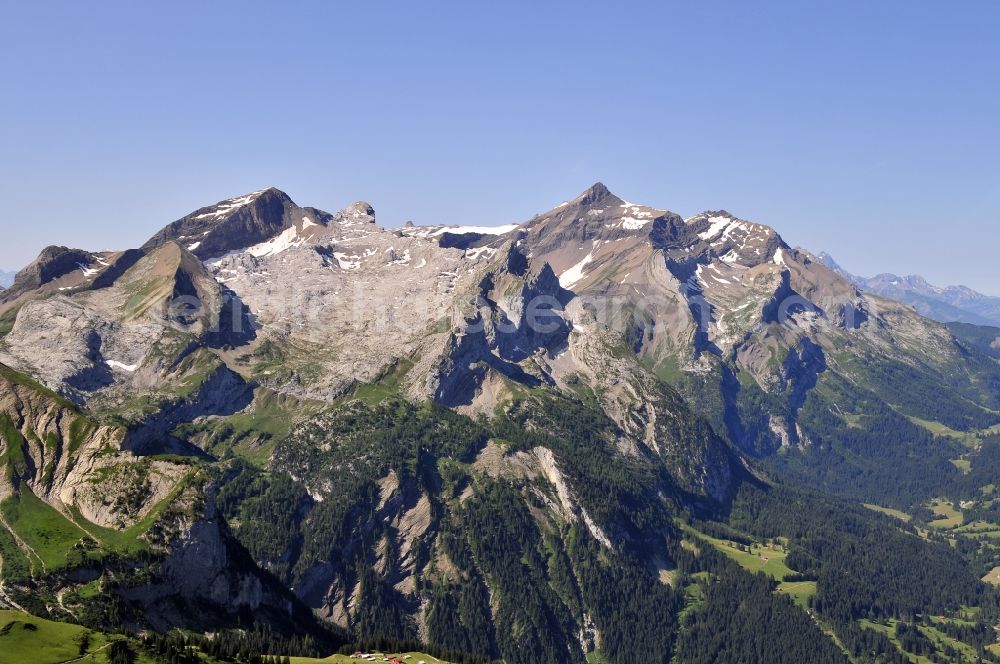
<point>115,364</point>
<point>716,226</point>
<point>482,230</point>
<point>347,261</point>
<point>473,254</point>
<point>287,239</point>
<point>634,223</point>
<point>575,273</point>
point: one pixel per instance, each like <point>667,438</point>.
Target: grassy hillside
<point>767,558</point>
<point>408,657</point>
<point>27,639</point>
<point>49,537</point>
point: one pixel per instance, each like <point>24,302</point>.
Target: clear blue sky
<point>869,129</point>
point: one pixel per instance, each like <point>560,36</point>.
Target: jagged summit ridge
<point>731,239</point>
<point>230,205</point>
<point>237,223</point>
<point>356,299</point>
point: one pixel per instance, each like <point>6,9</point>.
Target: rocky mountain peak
<point>829,261</point>
<point>163,276</point>
<point>719,213</point>
<point>273,191</point>
<point>52,263</point>
<point>596,193</point>
<point>261,199</point>
<point>359,211</point>
<point>234,224</point>
<point>61,270</point>
<point>732,239</point>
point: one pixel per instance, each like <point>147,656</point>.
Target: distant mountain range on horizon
<point>950,304</point>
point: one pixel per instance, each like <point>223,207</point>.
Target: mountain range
<point>603,431</point>
<point>952,304</point>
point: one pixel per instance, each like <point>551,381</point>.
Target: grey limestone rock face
<point>515,313</point>
<point>206,578</point>
<point>80,343</point>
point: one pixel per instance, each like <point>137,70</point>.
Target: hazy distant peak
<point>948,304</point>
